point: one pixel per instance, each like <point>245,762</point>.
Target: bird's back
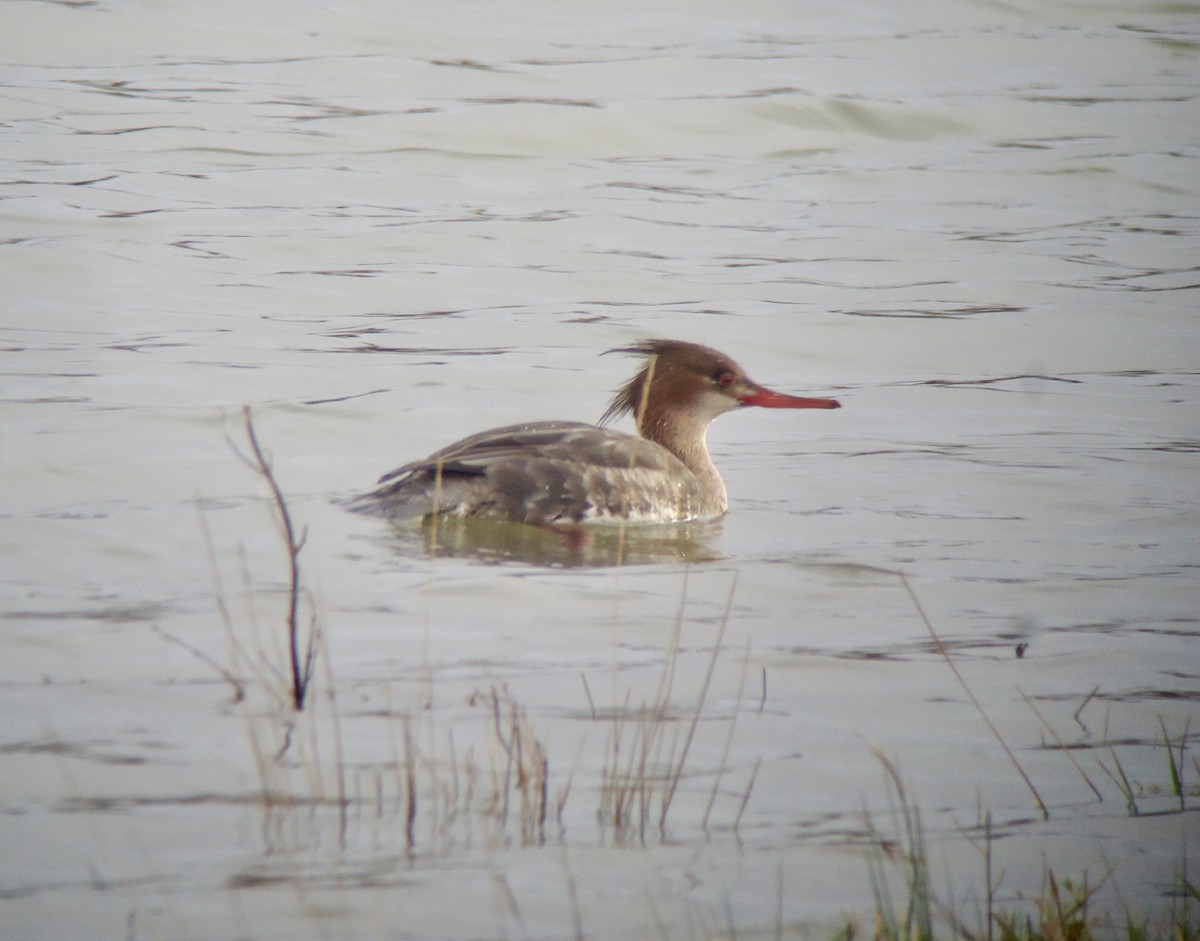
<point>543,472</point>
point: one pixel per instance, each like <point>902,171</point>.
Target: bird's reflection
<point>559,546</point>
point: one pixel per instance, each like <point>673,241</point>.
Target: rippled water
<point>387,226</point>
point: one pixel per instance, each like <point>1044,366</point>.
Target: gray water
<point>386,226</point>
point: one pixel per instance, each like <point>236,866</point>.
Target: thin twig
<point>301,672</point>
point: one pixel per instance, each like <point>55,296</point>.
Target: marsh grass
<point>1177,766</point>
<point>648,747</point>
<point>476,772</point>
<point>484,776</point>
<point>907,907</point>
<point>907,915</point>
<point>1061,913</point>
<point>521,776</point>
<point>1135,794</point>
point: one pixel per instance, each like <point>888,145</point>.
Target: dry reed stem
<point>588,693</point>
<point>632,791</point>
<point>737,820</point>
<point>724,763</point>
<point>336,724</point>
<point>573,896</point>
<point>673,782</point>
<point>1078,712</point>
<point>1121,780</point>
<point>974,701</point>
<point>1061,744</point>
<point>436,515</point>
<point>410,789</point>
<point>564,792</point>
<point>236,650</point>
<point>239,655</point>
<point>239,688</point>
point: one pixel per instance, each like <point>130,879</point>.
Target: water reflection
<point>559,546</point>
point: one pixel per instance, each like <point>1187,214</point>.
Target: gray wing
<point>541,472</point>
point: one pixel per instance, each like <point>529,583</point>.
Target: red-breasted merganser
<point>569,472</point>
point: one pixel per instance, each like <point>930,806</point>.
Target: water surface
<point>387,227</point>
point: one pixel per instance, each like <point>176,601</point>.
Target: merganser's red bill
<point>766,398</point>
<point>568,472</point>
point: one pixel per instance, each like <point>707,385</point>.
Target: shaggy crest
<point>630,398</point>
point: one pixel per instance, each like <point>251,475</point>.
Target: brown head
<point>693,384</point>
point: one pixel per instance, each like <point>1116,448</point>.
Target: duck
<point>549,473</point>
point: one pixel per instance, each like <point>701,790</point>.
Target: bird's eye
<point>724,379</point>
